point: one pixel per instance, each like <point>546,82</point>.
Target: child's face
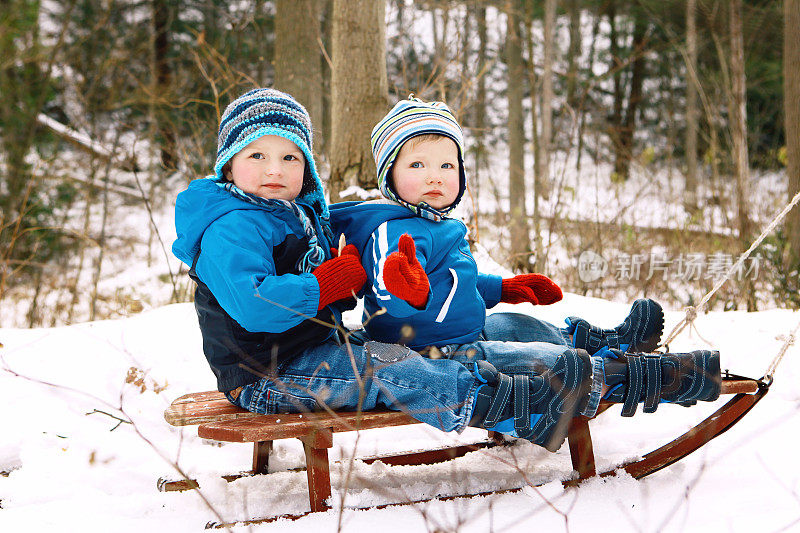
<point>427,171</point>
<point>270,167</point>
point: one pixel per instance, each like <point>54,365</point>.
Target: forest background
<point>623,148</point>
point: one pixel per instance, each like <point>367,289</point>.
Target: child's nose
<point>272,168</point>
<point>434,178</point>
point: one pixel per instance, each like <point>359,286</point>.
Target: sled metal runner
<point>228,423</point>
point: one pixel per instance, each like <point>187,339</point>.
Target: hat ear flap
<point>309,184</point>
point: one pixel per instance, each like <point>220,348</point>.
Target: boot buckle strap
<point>612,339</point>
<point>580,335</point>
<point>633,391</point>
<point>652,393</point>
<point>499,400</point>
<point>522,407</point>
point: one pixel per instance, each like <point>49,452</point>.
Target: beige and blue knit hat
<point>407,119</point>
<point>262,112</point>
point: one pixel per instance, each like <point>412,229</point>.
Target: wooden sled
<point>219,420</point>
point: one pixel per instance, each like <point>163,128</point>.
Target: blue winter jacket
<point>459,295</point>
<point>252,303</point>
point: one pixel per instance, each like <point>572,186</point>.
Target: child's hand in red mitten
<point>404,276</point>
<point>341,276</point>
<point>534,288</point>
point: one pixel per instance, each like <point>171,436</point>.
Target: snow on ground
<point>71,469</point>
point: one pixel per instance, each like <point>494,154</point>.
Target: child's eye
<point>448,165</point>
<point>257,155</point>
<point>290,157</point>
<point>416,164</point>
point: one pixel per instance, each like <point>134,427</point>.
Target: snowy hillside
<point>69,465</point>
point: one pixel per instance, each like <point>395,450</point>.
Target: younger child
<point>270,290</point>
<point>422,273</point>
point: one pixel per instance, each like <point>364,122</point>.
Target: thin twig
<point>120,420</point>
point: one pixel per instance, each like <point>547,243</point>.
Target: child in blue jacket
<point>421,272</point>
<point>270,289</point>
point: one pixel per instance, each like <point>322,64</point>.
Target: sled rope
<point>787,342</point>
<point>691,312</point>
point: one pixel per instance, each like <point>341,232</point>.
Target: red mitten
<point>404,276</point>
<point>534,288</point>
<point>340,277</point>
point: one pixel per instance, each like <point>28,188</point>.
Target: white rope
<point>691,312</point>
<point>788,341</point>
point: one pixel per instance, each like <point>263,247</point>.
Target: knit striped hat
<point>407,119</point>
<point>270,112</point>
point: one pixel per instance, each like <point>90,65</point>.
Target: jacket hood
<point>204,201</point>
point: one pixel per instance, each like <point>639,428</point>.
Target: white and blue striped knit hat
<point>407,119</point>
<point>262,112</point>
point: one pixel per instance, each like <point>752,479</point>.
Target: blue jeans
<point>517,327</point>
<point>366,375</point>
<point>371,376</point>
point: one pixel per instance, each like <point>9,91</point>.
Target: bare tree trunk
<point>66,273</point>
<point>791,105</point>
<point>359,91</point>
<point>464,100</point>
<point>668,94</point>
<point>628,126</point>
<point>480,104</point>
<point>520,247</point>
<point>74,283</point>
<point>164,134</point>
<point>539,169</point>
<point>574,52</point>
<point>437,44</point>
<point>326,35</point>
<point>211,22</point>
<point>547,97</point>
<point>298,60</point>
<point>465,29</point>
<point>33,314</point>
<point>690,190</point>
<point>738,113</point>
<point>162,77</point>
<point>616,113</point>
<point>400,5</point>
<point>590,68</point>
<point>263,66</point>
<point>440,56</point>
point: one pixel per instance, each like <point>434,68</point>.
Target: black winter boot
<point>537,408</point>
<point>639,332</point>
<point>682,378</point>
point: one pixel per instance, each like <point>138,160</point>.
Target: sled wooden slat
<point>198,397</point>
<point>739,386</point>
<point>273,427</point>
<point>187,411</point>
